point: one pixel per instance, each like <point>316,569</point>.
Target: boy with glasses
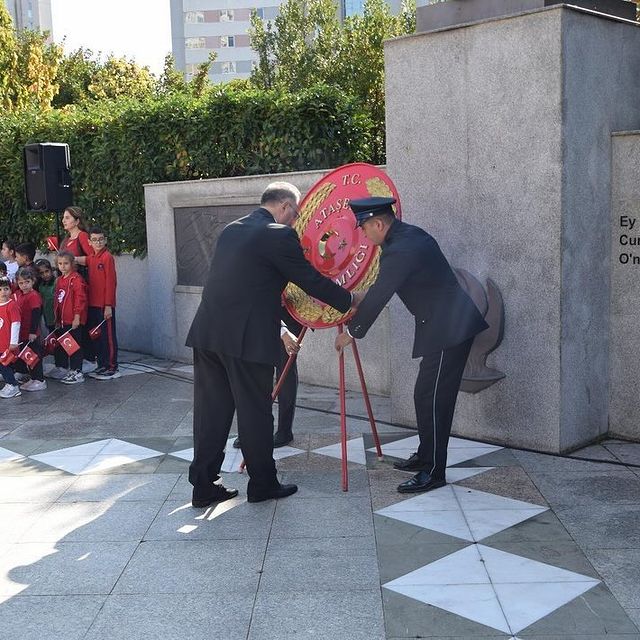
<point>102,304</point>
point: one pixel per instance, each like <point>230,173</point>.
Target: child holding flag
<point>9,336</point>
<point>29,357</point>
<point>102,305</point>
<point>70,308</point>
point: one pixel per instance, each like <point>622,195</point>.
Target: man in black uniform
<point>235,337</point>
<point>446,321</point>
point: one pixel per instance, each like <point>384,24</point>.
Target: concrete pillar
<point>499,141</point>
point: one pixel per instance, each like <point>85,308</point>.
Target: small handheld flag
<point>68,343</point>
<point>94,334</point>
<point>7,358</point>
<point>29,356</point>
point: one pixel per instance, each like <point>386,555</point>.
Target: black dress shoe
<point>412,464</point>
<point>236,443</point>
<point>215,493</point>
<point>281,491</point>
<point>282,439</point>
<point>422,481</point>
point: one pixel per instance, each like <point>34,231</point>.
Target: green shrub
<point>118,146</point>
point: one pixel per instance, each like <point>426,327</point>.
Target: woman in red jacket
<point>77,241</point>
<point>70,310</point>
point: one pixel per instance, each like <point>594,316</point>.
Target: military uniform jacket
<point>413,266</point>
<point>240,311</point>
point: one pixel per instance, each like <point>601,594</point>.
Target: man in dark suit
<point>235,337</point>
<point>289,332</point>
<point>446,321</point>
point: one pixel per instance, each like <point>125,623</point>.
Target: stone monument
<point>499,141</point>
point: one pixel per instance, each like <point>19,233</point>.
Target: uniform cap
<point>366,208</point>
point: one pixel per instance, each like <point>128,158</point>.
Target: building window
<point>227,41</point>
<point>228,67</point>
<point>194,16</point>
<point>226,15</point>
<point>352,8</point>
<point>195,43</point>
<point>260,12</point>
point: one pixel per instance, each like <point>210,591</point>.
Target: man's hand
<point>342,340</point>
<point>14,347</point>
<point>32,337</point>
<point>290,343</point>
<point>108,312</point>
<point>358,297</point>
<point>76,321</point>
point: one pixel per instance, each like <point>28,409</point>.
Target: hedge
<point>116,147</point>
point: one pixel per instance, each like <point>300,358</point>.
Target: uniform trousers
<point>434,397</point>
<point>224,385</point>
<point>288,392</point>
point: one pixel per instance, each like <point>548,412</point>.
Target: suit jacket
<point>239,314</point>
<point>413,266</point>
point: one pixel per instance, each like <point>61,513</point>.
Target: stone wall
<point>498,139</point>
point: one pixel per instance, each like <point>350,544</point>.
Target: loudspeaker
<point>46,176</point>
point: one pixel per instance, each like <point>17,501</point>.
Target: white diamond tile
<point>95,456</point>
<point>233,457</point>
<point>457,455</point>
<point>474,500</point>
<point>462,567</point>
<point>286,452</point>
<point>461,512</point>
<point>442,499</point>
<point>458,450</point>
<point>523,590</point>
<point>451,523</point>
<point>524,604</point>
<point>9,456</point>
<point>355,451</point>
<point>456,474</point>
<point>476,602</point>
<point>507,568</point>
<point>184,454</point>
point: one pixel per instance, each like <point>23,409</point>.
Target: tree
<point>75,73</point>
<point>120,77</point>
<point>28,66</point>
<point>306,45</point>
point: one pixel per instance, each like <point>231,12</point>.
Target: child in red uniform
<point>102,304</point>
<point>70,307</point>
<point>30,304</point>
<point>9,336</point>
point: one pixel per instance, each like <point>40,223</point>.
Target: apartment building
<point>31,14</point>
<point>199,27</point>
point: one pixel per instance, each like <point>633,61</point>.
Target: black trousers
<point>105,348</point>
<point>61,357</point>
<point>435,397</point>
<point>288,392</point>
<point>222,386</point>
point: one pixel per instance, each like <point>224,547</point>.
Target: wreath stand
<point>343,402</point>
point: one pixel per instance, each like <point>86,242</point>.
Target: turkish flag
<point>49,344</point>
<point>7,358</point>
<point>53,243</point>
<point>94,334</point>
<point>68,343</point>
<point>29,357</point>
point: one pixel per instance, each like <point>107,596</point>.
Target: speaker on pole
<point>47,176</point>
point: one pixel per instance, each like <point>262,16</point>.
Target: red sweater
<point>70,298</point>
<point>30,312</point>
<point>9,313</point>
<point>102,279</point>
<point>79,246</point>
